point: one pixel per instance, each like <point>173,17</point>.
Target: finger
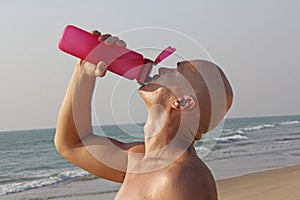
<point>120,43</point>
<point>103,74</point>
<point>95,32</point>
<point>104,37</point>
<point>80,62</point>
<point>101,69</point>
<point>111,40</point>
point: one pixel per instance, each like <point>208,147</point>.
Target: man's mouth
<point>151,79</point>
<point>151,85</point>
<point>156,76</point>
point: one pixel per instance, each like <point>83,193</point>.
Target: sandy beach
<point>277,184</point>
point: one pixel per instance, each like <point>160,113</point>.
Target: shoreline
<point>275,184</point>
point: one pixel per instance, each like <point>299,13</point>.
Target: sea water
<point>29,161</point>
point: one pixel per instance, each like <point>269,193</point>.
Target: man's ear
<point>183,103</point>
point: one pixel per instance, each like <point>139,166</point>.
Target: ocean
<point>30,167</point>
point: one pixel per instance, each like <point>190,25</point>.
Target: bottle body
<point>86,46</point>
<point>120,60</point>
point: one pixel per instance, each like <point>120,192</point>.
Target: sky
<point>255,42</point>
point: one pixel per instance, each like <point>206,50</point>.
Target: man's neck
<point>165,137</point>
<point>164,145</point>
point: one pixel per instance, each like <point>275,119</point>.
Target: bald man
<point>183,104</point>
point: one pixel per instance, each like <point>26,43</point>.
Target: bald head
<point>212,89</point>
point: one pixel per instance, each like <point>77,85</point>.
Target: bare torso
<point>186,178</point>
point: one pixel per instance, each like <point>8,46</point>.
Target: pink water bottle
<point>120,60</point>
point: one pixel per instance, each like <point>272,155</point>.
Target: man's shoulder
<point>187,169</point>
<point>188,180</point>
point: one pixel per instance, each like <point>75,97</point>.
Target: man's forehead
<point>196,68</point>
<point>187,66</point>
<point>183,64</point>
<point>195,63</point>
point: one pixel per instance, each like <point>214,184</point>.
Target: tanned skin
<point>165,165</point>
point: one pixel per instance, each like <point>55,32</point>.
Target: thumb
<point>101,69</point>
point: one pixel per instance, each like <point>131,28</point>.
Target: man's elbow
<point>61,146</point>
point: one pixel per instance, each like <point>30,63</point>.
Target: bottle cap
<point>164,54</point>
<point>143,76</point>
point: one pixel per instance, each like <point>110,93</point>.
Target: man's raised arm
<point>74,138</point>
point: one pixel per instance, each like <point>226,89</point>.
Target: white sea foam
<point>232,138</point>
<point>202,151</point>
<point>289,123</point>
<point>226,130</point>
<point>265,126</point>
<point>259,127</point>
<point>54,179</point>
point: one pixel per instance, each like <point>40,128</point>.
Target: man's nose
<point>164,70</point>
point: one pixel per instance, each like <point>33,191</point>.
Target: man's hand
<point>100,69</point>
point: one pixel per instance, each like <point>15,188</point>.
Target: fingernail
<point>102,64</point>
<point>104,37</point>
<point>108,42</point>
<point>95,32</point>
<point>121,43</point>
<point>97,72</point>
<point>100,69</point>
<point>111,40</point>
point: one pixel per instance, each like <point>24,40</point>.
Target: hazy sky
<point>256,43</point>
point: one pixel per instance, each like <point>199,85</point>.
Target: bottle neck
<point>145,70</point>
